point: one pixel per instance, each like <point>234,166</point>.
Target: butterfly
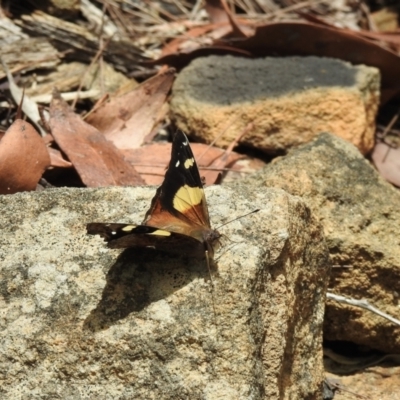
<point>178,220</point>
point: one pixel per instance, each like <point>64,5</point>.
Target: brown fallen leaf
<point>56,157</point>
<point>97,161</point>
<point>219,12</point>
<point>143,160</point>
<point>128,119</point>
<point>57,160</point>
<point>24,158</point>
<point>387,161</point>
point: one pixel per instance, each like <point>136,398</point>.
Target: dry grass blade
<point>29,107</point>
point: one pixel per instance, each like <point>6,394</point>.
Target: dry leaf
<point>219,12</point>
<point>143,159</point>
<point>97,161</point>
<point>24,158</point>
<point>387,161</point>
<point>57,160</point>
<point>127,120</point>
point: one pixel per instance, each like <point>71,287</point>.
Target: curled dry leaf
<point>24,158</point>
<point>128,119</point>
<point>143,158</point>
<point>56,157</point>
<point>97,161</point>
<point>219,12</point>
<point>387,161</point>
<point>57,160</point>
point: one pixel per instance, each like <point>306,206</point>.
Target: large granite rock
<point>360,215</point>
<point>79,320</point>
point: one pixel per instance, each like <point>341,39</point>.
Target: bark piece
<point>37,53</point>
<point>68,76</point>
<point>68,36</point>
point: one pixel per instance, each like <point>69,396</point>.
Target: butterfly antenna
<point>212,292</point>
<point>244,215</point>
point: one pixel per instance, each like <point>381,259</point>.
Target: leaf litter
<point>129,121</point>
<point>110,147</point>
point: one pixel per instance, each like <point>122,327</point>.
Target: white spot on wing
<point>189,163</point>
<point>160,232</point>
<point>177,164</point>
<point>128,228</point>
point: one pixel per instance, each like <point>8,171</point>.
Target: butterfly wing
<point>180,201</point>
<point>121,236</point>
<point>177,220</point>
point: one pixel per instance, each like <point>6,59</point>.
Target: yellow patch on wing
<point>160,232</point>
<point>186,197</point>
<point>128,228</point>
<point>189,163</point>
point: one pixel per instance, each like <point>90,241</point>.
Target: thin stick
<point>95,58</point>
<point>229,124</point>
<point>362,304</point>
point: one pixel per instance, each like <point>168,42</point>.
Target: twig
<point>387,129</point>
<point>362,304</point>
<point>340,387</point>
<point>296,6</point>
<point>67,96</point>
<point>95,58</point>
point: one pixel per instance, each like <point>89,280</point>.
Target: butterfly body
<point>178,220</point>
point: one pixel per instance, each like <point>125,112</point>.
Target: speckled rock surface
<point>360,215</point>
<point>79,320</point>
<point>288,101</point>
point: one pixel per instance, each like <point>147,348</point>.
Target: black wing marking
<point>120,236</point>
<point>181,194</point>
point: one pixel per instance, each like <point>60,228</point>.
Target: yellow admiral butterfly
<point>177,221</point>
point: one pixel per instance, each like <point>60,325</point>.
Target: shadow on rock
<point>138,278</point>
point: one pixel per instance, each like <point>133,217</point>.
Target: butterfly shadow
<point>138,278</point>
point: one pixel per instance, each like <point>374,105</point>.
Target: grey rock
<point>288,101</point>
<point>79,320</point>
<point>360,215</point>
